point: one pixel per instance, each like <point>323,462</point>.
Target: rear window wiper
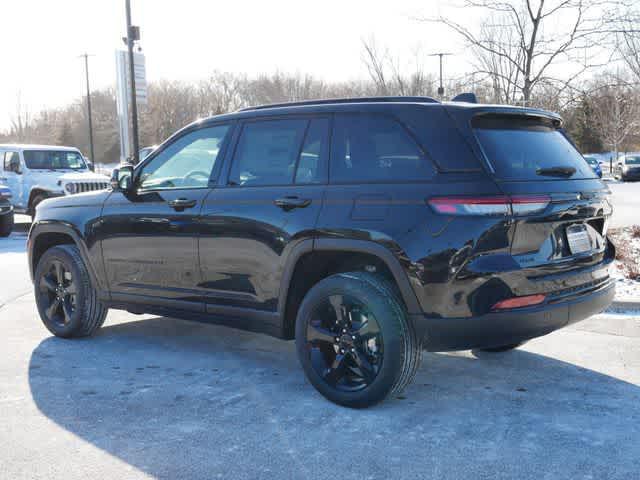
<point>556,171</point>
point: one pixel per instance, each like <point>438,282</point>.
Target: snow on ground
<point>627,262</point>
<point>13,266</point>
<point>625,198</point>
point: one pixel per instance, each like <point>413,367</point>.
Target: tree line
<point>588,71</point>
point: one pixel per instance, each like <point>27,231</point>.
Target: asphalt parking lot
<point>153,397</point>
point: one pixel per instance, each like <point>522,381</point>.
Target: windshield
<point>528,148</point>
<point>591,160</point>
<point>53,160</point>
<point>632,160</point>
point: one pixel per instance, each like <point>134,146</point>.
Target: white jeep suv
<point>37,172</point>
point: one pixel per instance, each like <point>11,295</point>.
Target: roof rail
<point>331,101</point>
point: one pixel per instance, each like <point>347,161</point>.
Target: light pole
<point>441,87</point>
<point>133,34</point>
<point>86,71</point>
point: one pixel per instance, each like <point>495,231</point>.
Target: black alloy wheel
<point>58,293</point>
<point>354,339</point>
<point>67,302</point>
<point>344,342</point>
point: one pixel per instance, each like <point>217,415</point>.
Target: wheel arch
<point>350,254</point>
<point>46,235</point>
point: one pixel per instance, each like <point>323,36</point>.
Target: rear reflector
<point>519,302</point>
<point>494,205</point>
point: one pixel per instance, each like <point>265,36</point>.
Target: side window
<point>11,162</point>
<point>267,152</point>
<point>314,153</point>
<point>187,162</point>
<point>375,148</point>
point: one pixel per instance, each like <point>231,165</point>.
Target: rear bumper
<point>513,326</point>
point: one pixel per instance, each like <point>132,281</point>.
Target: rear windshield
<point>53,160</point>
<point>529,148</point>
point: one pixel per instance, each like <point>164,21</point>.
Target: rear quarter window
<point>375,148</point>
<point>522,147</point>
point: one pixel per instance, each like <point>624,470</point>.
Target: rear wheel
<point>6,224</point>
<point>67,302</point>
<point>354,340</point>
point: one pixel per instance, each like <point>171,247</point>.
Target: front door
<point>150,235</point>
<point>270,199</point>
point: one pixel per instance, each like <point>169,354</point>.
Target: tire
<point>502,348</point>
<point>6,224</point>
<point>374,358</point>
<point>79,313</point>
<point>34,203</point>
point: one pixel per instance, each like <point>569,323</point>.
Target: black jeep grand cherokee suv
<point>366,229</point>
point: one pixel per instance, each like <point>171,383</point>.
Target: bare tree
<point>519,43</point>
<point>616,111</point>
<point>388,75</point>
<point>629,40</point>
<point>20,120</point>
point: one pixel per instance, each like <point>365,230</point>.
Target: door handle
<point>291,202</point>
<point>179,204</point>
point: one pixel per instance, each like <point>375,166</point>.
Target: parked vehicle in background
<point>145,151</point>
<point>366,229</point>
<point>6,211</point>
<point>627,167</point>
<point>37,172</point>
<point>594,163</point>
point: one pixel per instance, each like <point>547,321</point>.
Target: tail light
<point>500,205</point>
<point>519,302</point>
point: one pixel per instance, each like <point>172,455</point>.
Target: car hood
<point>83,177</point>
<point>79,200</point>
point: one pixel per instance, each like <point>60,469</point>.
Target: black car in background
<point>6,211</point>
<point>627,167</point>
<point>365,229</point>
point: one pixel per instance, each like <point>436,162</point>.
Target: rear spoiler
<point>468,97</point>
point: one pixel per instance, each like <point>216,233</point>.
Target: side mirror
<point>121,178</point>
<point>90,165</point>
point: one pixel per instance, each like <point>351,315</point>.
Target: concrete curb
<point>624,305</point>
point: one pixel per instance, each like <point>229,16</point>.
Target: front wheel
<point>67,302</point>
<point>354,341</point>
<point>34,204</point>
<point>6,224</point>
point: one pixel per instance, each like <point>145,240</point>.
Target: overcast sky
<point>188,39</point>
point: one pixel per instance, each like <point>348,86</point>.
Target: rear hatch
<point>561,241</point>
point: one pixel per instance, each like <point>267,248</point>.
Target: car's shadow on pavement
<point>185,400</point>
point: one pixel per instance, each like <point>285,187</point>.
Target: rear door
<point>531,158</point>
<point>267,201</point>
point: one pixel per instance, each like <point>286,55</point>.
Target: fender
<point>49,226</point>
<point>348,245</point>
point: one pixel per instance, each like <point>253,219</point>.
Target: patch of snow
<point>626,288</point>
